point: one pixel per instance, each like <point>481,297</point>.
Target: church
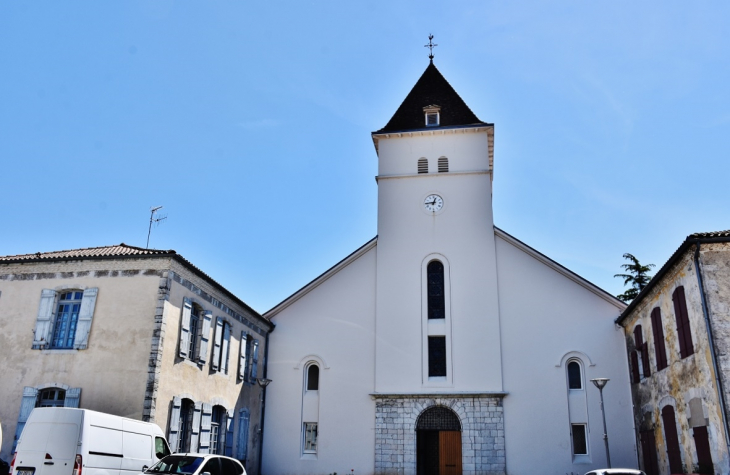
<point>444,345</point>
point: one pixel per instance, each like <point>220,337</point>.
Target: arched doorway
<point>438,442</point>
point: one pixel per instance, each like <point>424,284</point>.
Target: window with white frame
<point>185,424</point>
<point>433,115</point>
<point>575,377</point>
<point>221,346</point>
<point>580,443</point>
<point>310,438</point>
<point>195,327</point>
<point>64,319</point>
<point>217,430</point>
<point>51,397</point>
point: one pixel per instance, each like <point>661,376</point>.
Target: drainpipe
<point>718,380</point>
<point>263,404</point>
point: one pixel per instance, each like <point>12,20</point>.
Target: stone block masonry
<point>482,432</point>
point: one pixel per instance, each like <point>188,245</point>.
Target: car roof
<point>616,471</point>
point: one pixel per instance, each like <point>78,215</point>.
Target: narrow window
<point>422,165</point>
<point>310,437</point>
<point>643,351</point>
<point>578,433</point>
<point>672,441</point>
<point>436,356</point>
<point>226,347</point>
<point>313,378</point>
<point>575,381</point>
<point>67,316</point>
<point>436,298</point>
<point>443,165</point>
<point>660,350</point>
<point>684,334</point>
<point>635,375</point>
<point>194,326</point>
<point>702,446</point>
<point>185,426</point>
<point>217,442</point>
<point>648,451</point>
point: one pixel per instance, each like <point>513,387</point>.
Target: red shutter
<point>702,444</point>
<point>660,350</point>
<point>686,348</point>
<point>670,436</point>
<point>645,359</point>
<point>635,367</point>
<point>648,451</point>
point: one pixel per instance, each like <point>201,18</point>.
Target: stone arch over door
<point>438,442</point>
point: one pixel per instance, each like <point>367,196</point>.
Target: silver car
<point>616,471</point>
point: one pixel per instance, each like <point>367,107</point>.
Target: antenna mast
<point>153,220</point>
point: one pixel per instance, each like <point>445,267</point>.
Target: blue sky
<point>250,123</point>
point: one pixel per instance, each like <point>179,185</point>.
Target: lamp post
<point>600,383</point>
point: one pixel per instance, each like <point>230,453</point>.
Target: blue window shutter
<point>30,396</point>
<point>242,351</point>
<point>243,421</point>
<point>226,348</point>
<point>205,420</point>
<point>195,435</point>
<point>215,364</point>
<point>174,433</point>
<point>255,362</point>
<point>205,337</point>
<point>86,313</point>
<point>230,419</point>
<point>72,397</point>
<point>44,321</point>
<point>185,328</point>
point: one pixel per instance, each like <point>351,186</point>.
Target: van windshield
<point>176,464</point>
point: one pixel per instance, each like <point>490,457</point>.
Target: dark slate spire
<point>432,89</point>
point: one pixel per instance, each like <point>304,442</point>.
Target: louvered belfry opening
<point>443,165</point>
<point>438,439</point>
<point>422,165</point>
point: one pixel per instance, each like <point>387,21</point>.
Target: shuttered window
<point>443,164</point>
<point>643,350</point>
<point>648,452</point>
<point>635,375</point>
<point>422,165</point>
<point>310,437</point>
<point>702,446</point>
<point>64,319</point>
<point>660,350</point>
<point>672,441</point>
<point>684,333</point>
<point>436,356</point>
<point>243,357</point>
<point>255,361</point>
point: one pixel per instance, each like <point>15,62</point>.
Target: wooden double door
<point>438,452</point>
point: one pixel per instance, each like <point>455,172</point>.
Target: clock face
<point>433,203</point>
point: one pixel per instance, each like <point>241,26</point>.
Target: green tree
<point>637,275</point>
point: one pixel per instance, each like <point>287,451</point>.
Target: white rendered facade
<point>512,322</point>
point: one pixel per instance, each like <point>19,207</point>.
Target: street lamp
<point>600,383</point>
<point>263,382</point>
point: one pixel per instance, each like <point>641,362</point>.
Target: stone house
<point>133,332</point>
<point>678,340</point>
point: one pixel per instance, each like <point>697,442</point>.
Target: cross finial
<point>430,47</point>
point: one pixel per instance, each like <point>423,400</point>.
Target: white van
<point>68,441</point>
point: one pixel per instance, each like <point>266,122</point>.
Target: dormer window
<point>433,115</point>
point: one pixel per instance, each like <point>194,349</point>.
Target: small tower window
<point>433,115</point>
<point>313,378</point>
<point>443,164</point>
<point>422,165</point>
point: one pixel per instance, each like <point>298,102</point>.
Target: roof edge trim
<point>690,241</point>
<point>314,283</point>
<point>588,285</point>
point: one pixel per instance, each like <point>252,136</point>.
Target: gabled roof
<point>124,251</point>
<point>691,241</point>
<point>432,89</point>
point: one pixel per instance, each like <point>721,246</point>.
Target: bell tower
<point>437,312</point>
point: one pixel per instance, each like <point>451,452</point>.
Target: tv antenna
<point>153,220</point>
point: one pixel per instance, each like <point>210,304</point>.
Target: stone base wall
<point>482,432</point>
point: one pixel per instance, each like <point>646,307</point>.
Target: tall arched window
<point>217,430</point>
<point>313,377</point>
<point>575,379</point>
<point>422,165</point>
<point>187,408</point>
<point>436,299</point>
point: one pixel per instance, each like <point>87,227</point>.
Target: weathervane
<point>430,47</point>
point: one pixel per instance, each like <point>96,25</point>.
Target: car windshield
<point>176,464</point>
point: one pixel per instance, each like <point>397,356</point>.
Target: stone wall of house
<point>687,384</point>
<point>482,432</point>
